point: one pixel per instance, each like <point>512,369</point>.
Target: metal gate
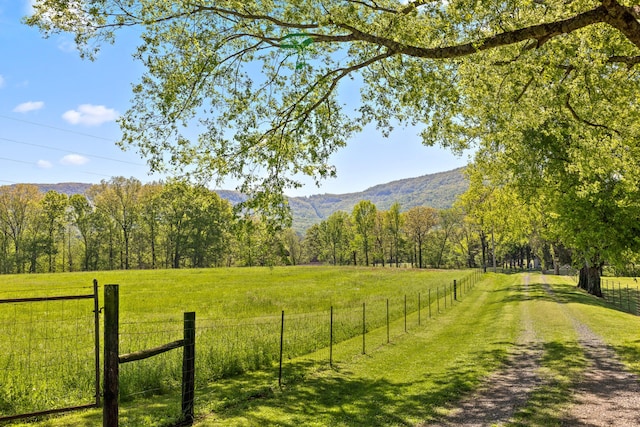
<point>49,354</point>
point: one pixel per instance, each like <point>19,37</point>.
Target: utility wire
<point>56,128</point>
<point>70,152</point>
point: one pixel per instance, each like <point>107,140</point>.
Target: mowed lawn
<point>413,371</point>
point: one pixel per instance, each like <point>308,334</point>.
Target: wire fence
<point>623,293</point>
<point>48,356</point>
<point>279,344</point>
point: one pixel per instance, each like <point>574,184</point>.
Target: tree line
<point>124,224</point>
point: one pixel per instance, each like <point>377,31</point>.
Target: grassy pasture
<point>47,348</point>
<point>417,377</point>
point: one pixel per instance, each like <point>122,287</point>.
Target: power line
<point>16,161</point>
<point>34,164</point>
<point>92,156</point>
<point>54,127</point>
<point>71,152</point>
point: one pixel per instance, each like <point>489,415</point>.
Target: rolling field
<point>47,359</point>
<point>413,372</point>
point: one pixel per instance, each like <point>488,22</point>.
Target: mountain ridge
<point>438,190</point>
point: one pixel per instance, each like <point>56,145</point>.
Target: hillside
<point>438,190</point>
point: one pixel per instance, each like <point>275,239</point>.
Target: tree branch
<point>540,32</point>
<point>625,19</point>
<point>575,115</point>
<point>629,60</point>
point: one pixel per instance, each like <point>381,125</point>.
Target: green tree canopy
<point>260,80</point>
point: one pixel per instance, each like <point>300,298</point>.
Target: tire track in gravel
<point>607,394</point>
<point>508,389</point>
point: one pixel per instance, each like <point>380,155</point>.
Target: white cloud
<point>90,115</point>
<point>74,160</point>
<point>44,164</point>
<point>25,107</point>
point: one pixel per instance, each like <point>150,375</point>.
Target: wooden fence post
<point>189,367</point>
<point>111,349</point>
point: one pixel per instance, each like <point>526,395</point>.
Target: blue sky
<point>58,112</point>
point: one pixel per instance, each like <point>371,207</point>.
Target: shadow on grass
<point>630,353</point>
<point>564,294</point>
<point>337,397</point>
<point>563,364</point>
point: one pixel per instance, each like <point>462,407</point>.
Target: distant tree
<point>17,210</point>
<point>208,223</point>
<point>418,222</point>
<point>175,200</point>
<point>54,207</point>
<point>118,199</point>
<point>293,246</point>
<point>313,244</point>
<point>381,237</point>
<point>394,222</point>
<point>84,219</point>
<point>363,217</point>
<point>151,205</point>
<point>449,220</point>
<point>336,235</point>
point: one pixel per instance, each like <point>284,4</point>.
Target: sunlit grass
<point>238,324</point>
<point>404,378</point>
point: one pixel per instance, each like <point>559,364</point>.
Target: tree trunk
<point>493,252</point>
<point>590,279</point>
<point>483,242</point>
<point>556,260</point>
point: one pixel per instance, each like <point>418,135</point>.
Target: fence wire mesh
<point>47,355</point>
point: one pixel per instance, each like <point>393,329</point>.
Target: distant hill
<point>438,190</point>
<point>68,188</point>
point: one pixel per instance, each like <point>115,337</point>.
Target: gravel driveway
<point>607,394</point>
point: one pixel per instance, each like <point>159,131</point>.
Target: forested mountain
<point>438,190</point>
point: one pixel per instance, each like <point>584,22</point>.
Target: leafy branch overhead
<point>263,91</point>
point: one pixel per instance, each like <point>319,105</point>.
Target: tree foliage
<point>261,80</point>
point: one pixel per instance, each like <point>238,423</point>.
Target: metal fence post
<point>364,329</point>
<point>331,338</point>
<point>281,349</point>
<point>96,322</point>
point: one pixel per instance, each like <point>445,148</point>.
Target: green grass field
<point>47,359</point>
<point>406,379</point>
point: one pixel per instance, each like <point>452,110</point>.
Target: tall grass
<point>47,356</point>
<point>47,349</point>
